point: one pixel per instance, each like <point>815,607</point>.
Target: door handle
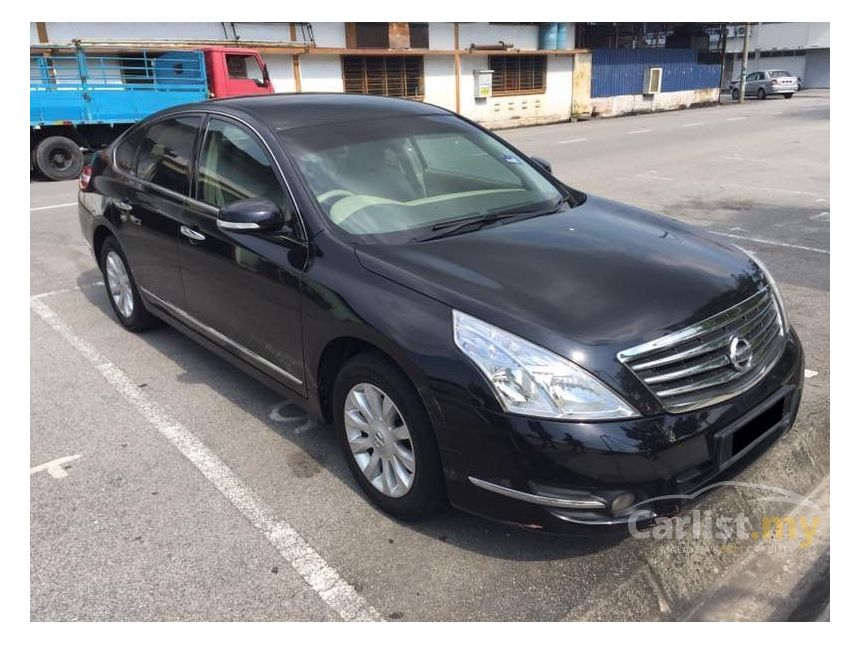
<point>191,234</point>
<point>124,206</point>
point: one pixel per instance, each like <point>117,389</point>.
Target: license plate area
<point>738,439</point>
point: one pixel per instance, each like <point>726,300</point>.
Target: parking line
<point>690,125</point>
<point>773,242</point>
<point>572,140</point>
<point>338,594</point>
<point>639,131</point>
<point>44,208</point>
<point>736,118</point>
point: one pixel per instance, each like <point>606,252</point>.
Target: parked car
<point>477,331</point>
<point>766,83</point>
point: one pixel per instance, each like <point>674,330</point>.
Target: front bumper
<point>561,477</point>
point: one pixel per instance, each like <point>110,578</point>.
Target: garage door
<point>817,68</point>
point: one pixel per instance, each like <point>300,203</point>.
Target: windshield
<point>388,180</point>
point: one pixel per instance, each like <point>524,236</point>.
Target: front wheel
<point>736,95</point>
<point>762,95</point>
<point>387,437</point>
<point>121,289</point>
<point>788,96</point>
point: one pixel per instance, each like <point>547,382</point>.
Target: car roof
<point>287,111</point>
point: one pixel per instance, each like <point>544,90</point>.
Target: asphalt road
<point>192,492</point>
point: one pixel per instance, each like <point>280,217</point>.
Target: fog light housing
<point>622,502</point>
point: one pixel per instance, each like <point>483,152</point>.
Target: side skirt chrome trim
<point>557,502</point>
<point>214,333</point>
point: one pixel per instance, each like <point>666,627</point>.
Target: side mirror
<point>254,214</point>
<point>543,163</point>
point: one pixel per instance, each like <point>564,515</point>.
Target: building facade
<point>800,48</point>
<point>498,74</point>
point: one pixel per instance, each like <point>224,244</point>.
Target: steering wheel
<point>330,194</point>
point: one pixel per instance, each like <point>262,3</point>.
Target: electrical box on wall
<point>653,80</point>
<point>483,83</point>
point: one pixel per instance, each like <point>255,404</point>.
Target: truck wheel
<point>59,158</point>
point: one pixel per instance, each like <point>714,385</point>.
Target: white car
<point>765,83</point>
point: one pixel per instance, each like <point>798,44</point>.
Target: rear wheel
<point>59,158</point>
<point>387,437</point>
<point>121,289</point>
<point>762,95</point>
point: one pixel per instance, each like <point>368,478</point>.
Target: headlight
<point>530,380</point>
<point>773,287</point>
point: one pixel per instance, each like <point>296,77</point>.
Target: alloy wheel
<point>379,440</point>
<point>119,284</point>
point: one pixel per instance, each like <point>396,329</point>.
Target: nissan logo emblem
<point>740,354</point>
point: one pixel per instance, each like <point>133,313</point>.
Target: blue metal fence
<point>83,88</point>
<point>615,72</point>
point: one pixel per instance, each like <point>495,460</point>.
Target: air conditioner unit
<point>653,80</point>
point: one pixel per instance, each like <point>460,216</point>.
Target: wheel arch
<point>100,234</point>
<point>342,348</point>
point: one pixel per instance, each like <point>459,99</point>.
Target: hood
<point>601,275</point>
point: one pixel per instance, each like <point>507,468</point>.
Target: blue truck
<point>81,101</point>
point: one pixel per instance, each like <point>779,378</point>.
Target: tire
<point>128,305</point>
<point>736,95</point>
<point>59,158</point>
<point>788,96</point>
<point>762,95</point>
<point>425,494</point>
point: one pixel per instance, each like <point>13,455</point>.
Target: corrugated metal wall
<point>622,71</point>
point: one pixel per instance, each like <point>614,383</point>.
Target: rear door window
<point>127,149</point>
<point>165,153</point>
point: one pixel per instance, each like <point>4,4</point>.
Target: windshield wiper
<point>452,227</point>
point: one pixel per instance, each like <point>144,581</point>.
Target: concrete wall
<point>281,71</point>
<point>528,109</point>
<point>321,74</point>
<point>638,103</point>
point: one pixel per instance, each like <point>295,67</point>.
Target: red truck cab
<point>234,71</point>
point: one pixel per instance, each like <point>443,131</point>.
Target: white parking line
<point>44,208</point>
<point>690,125</point>
<point>322,578</point>
<point>736,118</point>
<point>773,242</point>
<point>55,468</point>
<point>58,292</point>
<point>573,140</point>
<point>639,131</point>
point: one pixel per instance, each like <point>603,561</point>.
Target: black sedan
<point>478,333</point>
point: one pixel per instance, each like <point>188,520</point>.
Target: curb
<point>675,576</point>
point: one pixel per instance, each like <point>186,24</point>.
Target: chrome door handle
<point>191,234</point>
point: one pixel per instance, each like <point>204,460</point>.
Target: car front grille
<point>713,360</point>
